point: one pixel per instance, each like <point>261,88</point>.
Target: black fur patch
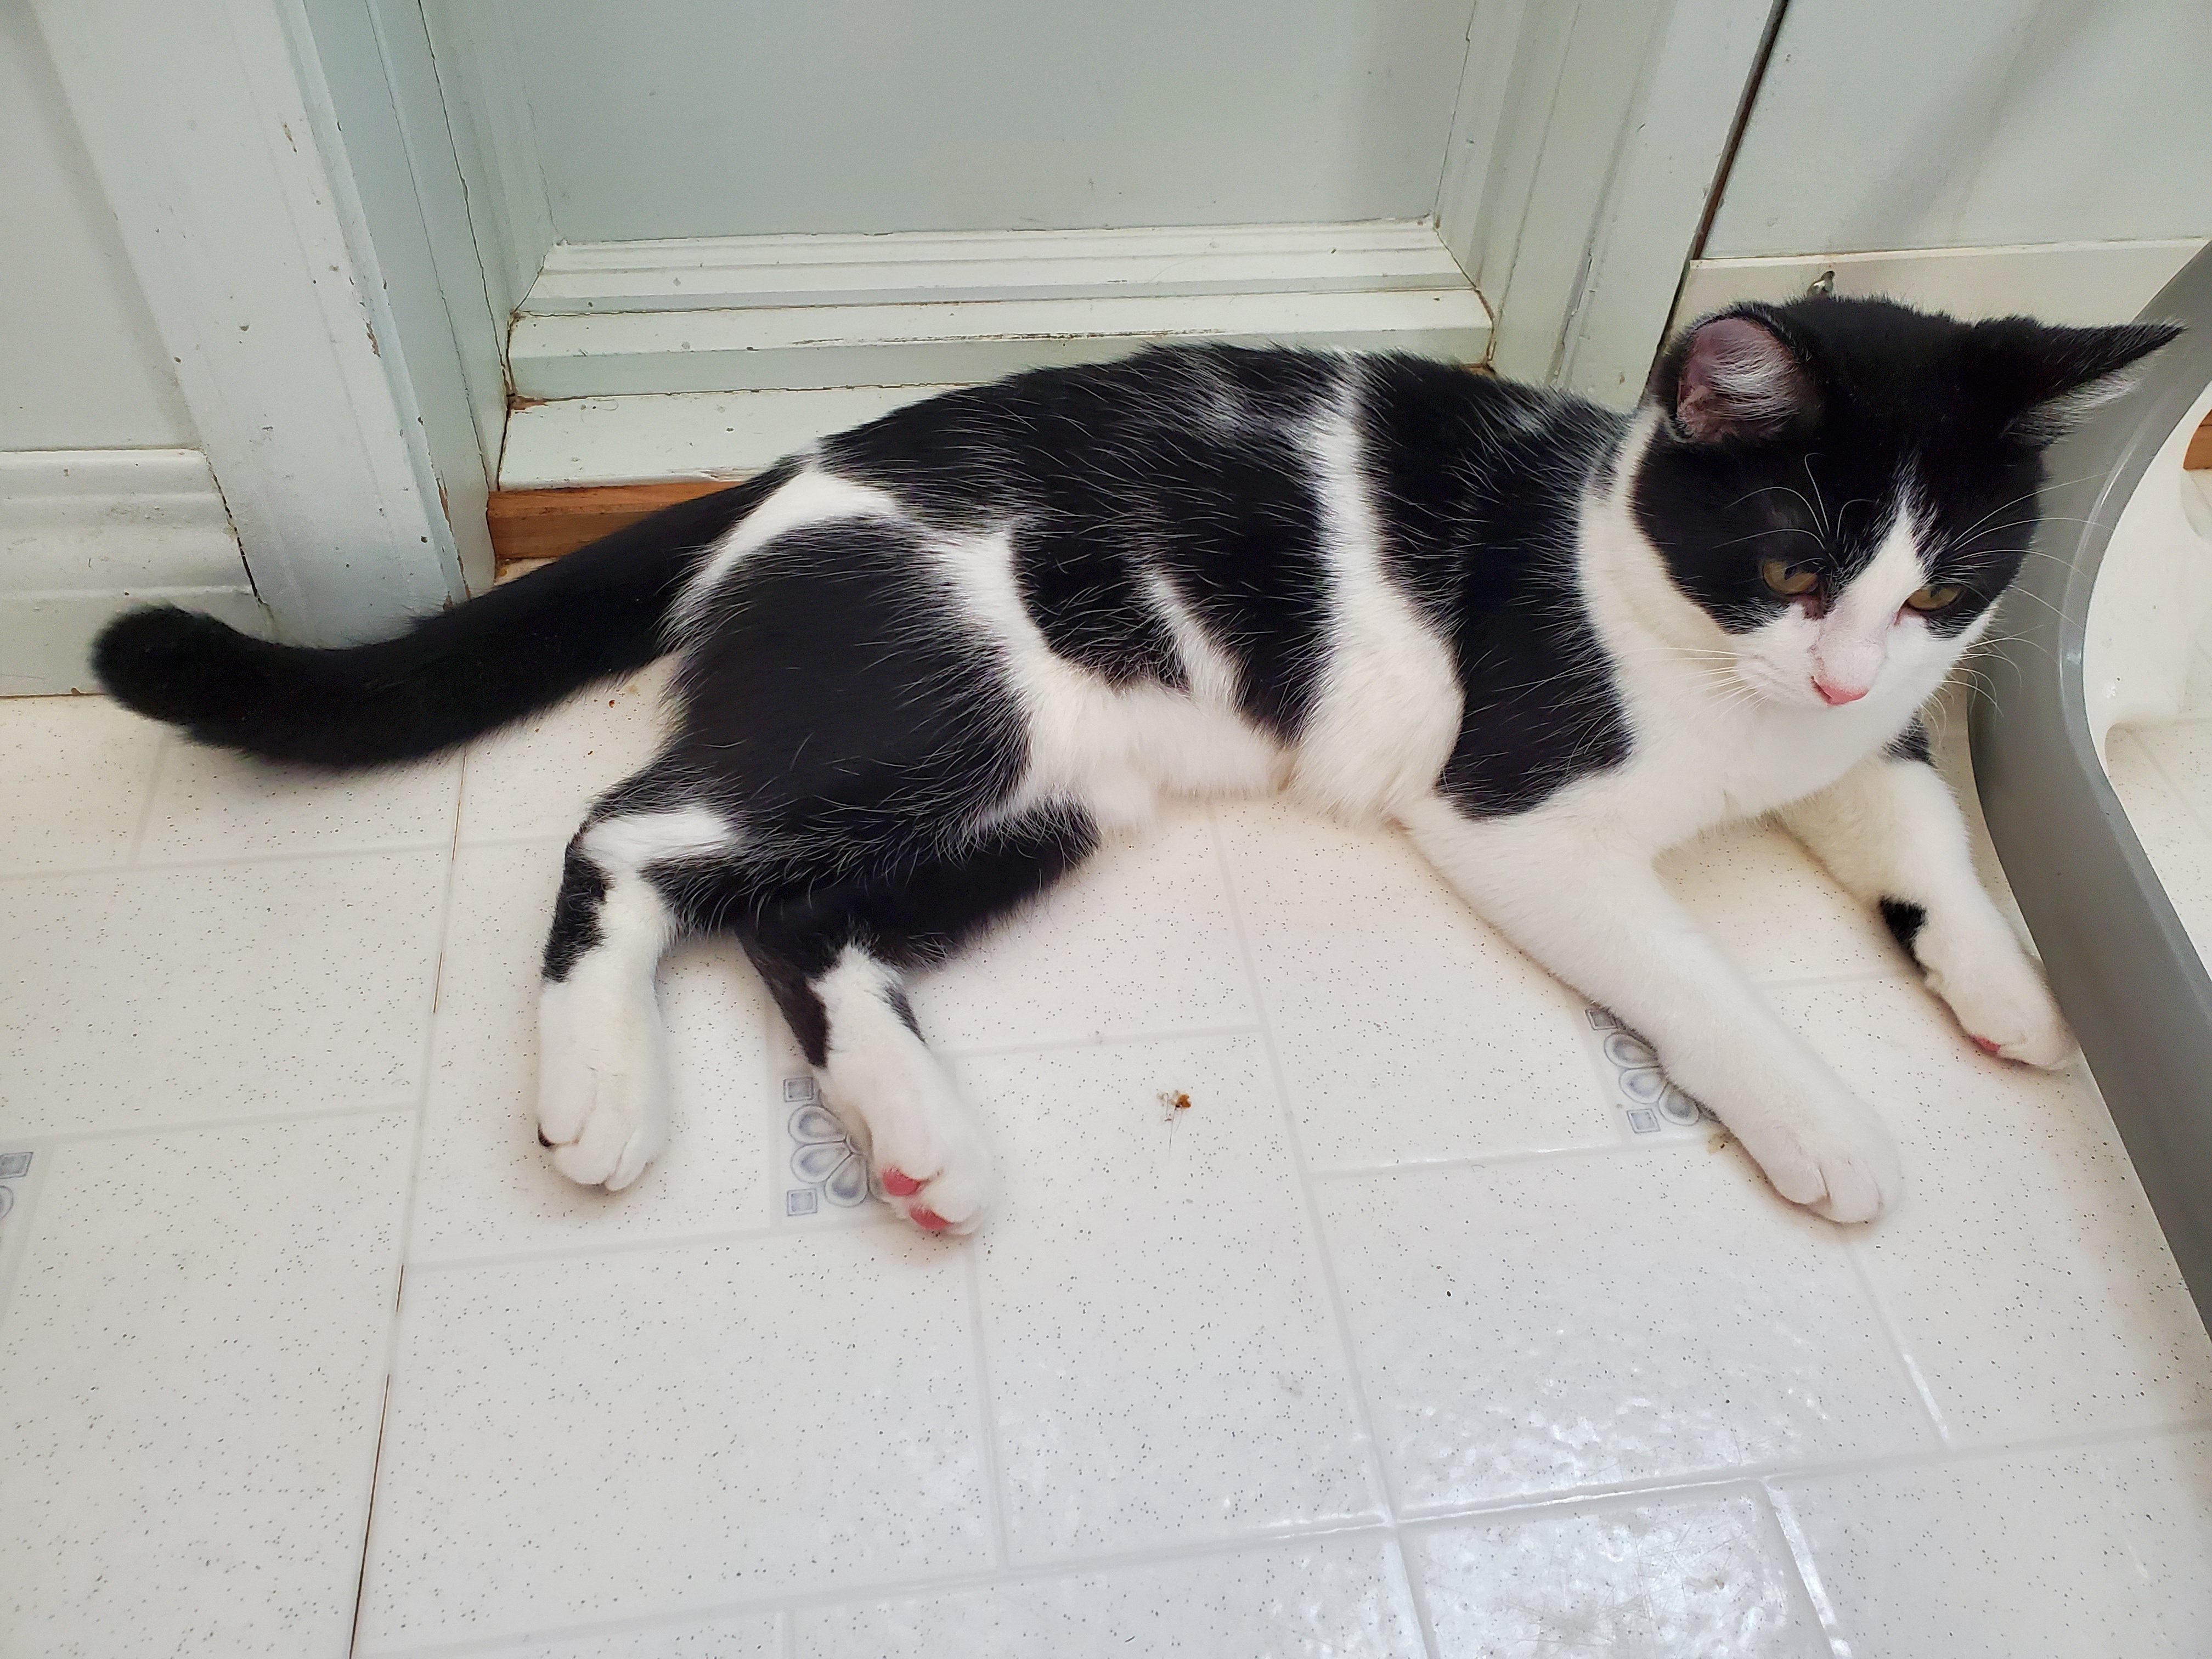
<point>1911,743</point>
<point>1184,462</point>
<point>449,677</point>
<point>1477,482</point>
<point>575,915</point>
<point>1905,921</point>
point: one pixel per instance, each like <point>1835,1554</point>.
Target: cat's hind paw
<point>952,1200</point>
<point>601,1103</point>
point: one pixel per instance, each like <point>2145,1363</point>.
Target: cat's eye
<point>1941,597</point>
<point>1788,579</point>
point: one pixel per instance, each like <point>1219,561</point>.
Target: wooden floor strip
<point>543,524</point>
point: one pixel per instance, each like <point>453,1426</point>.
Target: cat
<point>922,664</point>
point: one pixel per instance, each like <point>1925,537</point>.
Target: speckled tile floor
<point>1426,1331</point>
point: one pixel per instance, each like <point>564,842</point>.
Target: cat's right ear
<point>1732,379</point>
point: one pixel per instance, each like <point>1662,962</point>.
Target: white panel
<point>799,346</point>
<point>80,364</point>
<point>1900,125</point>
<point>1587,142</point>
<point>84,532</point>
<point>202,118</point>
<point>685,434</point>
<point>692,118</point>
<point>703,273</point>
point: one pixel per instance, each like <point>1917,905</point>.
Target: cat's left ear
<point>1734,378</point>
<point>2046,377</point>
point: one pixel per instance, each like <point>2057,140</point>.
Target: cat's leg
<point>1597,914</point>
<point>836,958</point>
<point>1891,833</point>
<point>602,1052</point>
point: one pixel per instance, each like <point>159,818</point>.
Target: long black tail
<point>449,677</point>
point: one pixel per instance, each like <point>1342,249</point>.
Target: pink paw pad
<point>1984,1045</point>
<point>927,1219</point>
<point>899,1184</point>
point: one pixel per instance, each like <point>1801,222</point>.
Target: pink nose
<point>1834,695</point>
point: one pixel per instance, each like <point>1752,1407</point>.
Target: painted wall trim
<point>2058,281</point>
<point>252,251</point>
<point>787,313</point>
<point>84,532</point>
<point>710,273</point>
<point>1588,142</point>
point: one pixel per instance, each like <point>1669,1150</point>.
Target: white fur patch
<point>1113,749</point>
<point>883,1082</point>
<point>812,497</point>
<point>602,1052</point>
<point>1388,708</point>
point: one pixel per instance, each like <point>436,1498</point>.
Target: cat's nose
<point>1834,695</point>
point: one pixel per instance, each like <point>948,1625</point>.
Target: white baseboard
<point>2058,282</point>
<point>83,532</point>
<point>803,312</point>
<point>681,434</point>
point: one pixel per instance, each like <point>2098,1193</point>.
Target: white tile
<point>487,1185</point>
<point>191,1371</point>
<point>211,805</point>
<point>2164,779</point>
<point>1163,1360</point>
<point>1675,1578</point>
<point>1138,941</point>
<point>1540,1326</point>
<point>2025,1270</point>
<point>216,991</point>
<point>1767,901</point>
<point>537,777</point>
<point>742,1636</point>
<point>578,1439</point>
<point>1409,1029</point>
<point>74,772</point>
<point>1339,1599</point>
<point>2103,1554</point>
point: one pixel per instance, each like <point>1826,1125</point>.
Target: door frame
<point>211,130</point>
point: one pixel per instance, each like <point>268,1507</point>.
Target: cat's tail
<point>523,646</point>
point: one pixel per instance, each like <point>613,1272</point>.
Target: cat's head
<point>1844,487</point>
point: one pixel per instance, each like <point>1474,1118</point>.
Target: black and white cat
<point>924,663</point>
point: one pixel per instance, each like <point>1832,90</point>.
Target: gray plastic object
<point>2132,985</point>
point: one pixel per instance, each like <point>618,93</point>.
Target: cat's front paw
<point>1998,996</point>
<point>602,1094</point>
<point>1839,1161</point>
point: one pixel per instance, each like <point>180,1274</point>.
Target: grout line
<point>888,1589</point>
<point>1260,1540</point>
<point>191,1126</point>
<point>234,860</point>
<point>153,792</point>
<point>404,1238</point>
<point>1378,1472</point>
<point>995,1494</point>
<point>635,1245</point>
<point>1856,1247</point>
<point>1645,1144</point>
<point>1106,1039</point>
<point>1808,1570</point>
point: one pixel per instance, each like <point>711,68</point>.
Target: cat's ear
<point>2045,378</point>
<point>1733,378</point>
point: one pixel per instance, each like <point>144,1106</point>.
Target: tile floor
<point>1427,1330</point>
